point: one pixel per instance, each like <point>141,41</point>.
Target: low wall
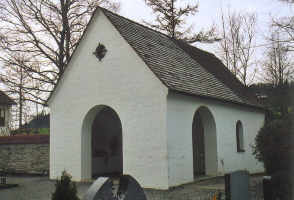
<point>25,154</point>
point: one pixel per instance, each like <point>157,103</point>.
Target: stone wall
<point>25,154</point>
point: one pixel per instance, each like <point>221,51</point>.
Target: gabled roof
<point>180,66</point>
<point>6,100</point>
<point>39,121</point>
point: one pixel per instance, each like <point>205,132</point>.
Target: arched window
<point>2,117</point>
<point>240,137</point>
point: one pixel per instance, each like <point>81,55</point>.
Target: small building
<point>135,101</point>
<point>5,113</point>
<point>40,121</point>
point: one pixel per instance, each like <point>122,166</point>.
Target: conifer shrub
<point>65,188</point>
<point>274,145</point>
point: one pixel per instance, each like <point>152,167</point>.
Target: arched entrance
<point>102,131</point>
<point>204,143</point>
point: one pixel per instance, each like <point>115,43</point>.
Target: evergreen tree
<point>65,189</point>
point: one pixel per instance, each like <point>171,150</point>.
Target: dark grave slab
<point>123,187</point>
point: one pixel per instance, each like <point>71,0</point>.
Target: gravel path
<point>41,188</point>
<point>34,188</point>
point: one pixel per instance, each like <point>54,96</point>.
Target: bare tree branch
<point>237,46</point>
<point>277,65</point>
<point>37,39</point>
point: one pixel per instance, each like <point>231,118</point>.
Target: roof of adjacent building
<point>5,99</point>
<point>180,66</point>
<point>39,121</point>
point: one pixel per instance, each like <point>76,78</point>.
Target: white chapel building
<point>135,101</point>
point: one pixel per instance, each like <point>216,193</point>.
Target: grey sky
<point>210,13</point>
<point>210,10</point>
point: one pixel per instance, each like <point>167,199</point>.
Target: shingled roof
<point>180,66</point>
<point>5,100</point>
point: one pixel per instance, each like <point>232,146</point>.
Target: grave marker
<point>124,187</point>
<point>237,185</point>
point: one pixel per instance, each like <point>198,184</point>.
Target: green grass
<point>44,131</point>
<point>37,131</point>
<point>40,131</point>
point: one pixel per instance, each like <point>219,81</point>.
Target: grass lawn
<point>44,131</point>
<point>32,131</point>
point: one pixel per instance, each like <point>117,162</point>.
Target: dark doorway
<point>198,146</point>
<point>107,156</point>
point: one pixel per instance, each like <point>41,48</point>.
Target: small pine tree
<point>65,189</point>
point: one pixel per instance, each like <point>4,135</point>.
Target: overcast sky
<point>210,10</point>
<point>210,13</point>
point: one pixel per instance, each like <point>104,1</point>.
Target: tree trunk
<point>20,100</point>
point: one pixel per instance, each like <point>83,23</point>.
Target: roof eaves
<point>8,100</point>
<point>259,107</point>
<point>239,91</point>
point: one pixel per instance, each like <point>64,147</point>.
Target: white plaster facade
<point>156,123</point>
<point>123,82</point>
<point>180,112</point>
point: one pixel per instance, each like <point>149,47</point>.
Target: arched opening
<point>102,143</point>
<point>240,137</point>
<point>204,143</point>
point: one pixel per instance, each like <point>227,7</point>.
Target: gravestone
<point>237,185</point>
<point>124,187</point>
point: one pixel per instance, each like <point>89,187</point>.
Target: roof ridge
<point>144,26</point>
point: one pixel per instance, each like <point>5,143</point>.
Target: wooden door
<point>198,147</point>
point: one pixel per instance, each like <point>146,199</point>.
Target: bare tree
<point>285,26</point>
<point>277,66</point>
<point>18,84</point>
<point>238,33</point>
<point>288,1</point>
<point>45,32</point>
<point>171,20</point>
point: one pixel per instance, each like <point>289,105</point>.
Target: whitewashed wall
<point>123,82</point>
<point>181,110</point>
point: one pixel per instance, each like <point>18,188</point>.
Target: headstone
<point>237,185</point>
<point>124,187</point>
<point>94,188</point>
<point>268,190</point>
